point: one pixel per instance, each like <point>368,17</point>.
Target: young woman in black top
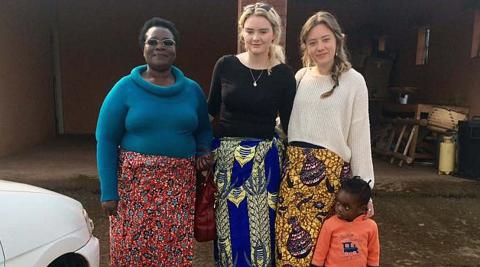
<point>247,93</point>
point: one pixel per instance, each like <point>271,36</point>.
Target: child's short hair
<point>358,187</point>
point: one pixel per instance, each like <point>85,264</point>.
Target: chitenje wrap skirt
<point>310,180</point>
<point>154,221</point>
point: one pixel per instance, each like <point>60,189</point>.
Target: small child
<point>349,238</point>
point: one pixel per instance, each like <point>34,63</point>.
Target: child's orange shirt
<point>351,244</point>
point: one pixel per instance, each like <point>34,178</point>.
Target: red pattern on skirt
<point>154,221</point>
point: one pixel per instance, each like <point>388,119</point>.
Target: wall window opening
<point>423,45</point>
<point>476,35</point>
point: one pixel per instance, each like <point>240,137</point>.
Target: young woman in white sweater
<point>329,139</point>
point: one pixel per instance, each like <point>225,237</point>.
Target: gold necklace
<point>253,77</point>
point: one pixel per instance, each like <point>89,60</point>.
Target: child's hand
<point>370,209</point>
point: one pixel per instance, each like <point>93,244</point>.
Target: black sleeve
<point>287,99</point>
<point>215,94</point>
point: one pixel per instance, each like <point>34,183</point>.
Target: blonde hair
<point>341,63</point>
<point>275,51</point>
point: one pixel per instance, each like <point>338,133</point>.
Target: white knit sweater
<point>339,122</point>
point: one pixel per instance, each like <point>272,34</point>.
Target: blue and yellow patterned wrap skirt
<point>247,173</point>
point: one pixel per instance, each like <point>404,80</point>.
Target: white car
<point>41,228</point>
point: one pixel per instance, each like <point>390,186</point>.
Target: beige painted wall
<point>26,91</point>
<point>98,45</point>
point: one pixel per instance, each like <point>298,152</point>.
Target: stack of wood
<point>399,139</point>
<point>396,138</point>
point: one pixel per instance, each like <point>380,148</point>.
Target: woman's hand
<point>203,162</point>
<point>370,209</point>
<point>110,207</point>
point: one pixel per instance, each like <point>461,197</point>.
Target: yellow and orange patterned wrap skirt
<point>311,178</point>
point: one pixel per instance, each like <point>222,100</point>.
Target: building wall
<point>450,76</point>
<point>26,87</point>
<point>98,45</point>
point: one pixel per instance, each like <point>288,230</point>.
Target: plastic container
<point>446,162</point>
<point>403,99</point>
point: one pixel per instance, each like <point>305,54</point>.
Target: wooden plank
<point>399,140</point>
<point>396,155</point>
<point>413,136</point>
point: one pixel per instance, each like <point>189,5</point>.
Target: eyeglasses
<point>164,42</point>
<point>263,6</point>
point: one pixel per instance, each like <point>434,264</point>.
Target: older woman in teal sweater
<point>152,129</point>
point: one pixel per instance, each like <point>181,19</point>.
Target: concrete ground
<point>424,219</point>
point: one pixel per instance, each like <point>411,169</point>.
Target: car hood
<point>31,217</point>
<point>19,187</point>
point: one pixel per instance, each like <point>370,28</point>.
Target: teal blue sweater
<point>139,116</point>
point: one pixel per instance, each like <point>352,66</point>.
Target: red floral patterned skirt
<point>154,221</point>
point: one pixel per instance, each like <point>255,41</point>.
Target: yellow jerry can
<point>446,162</point>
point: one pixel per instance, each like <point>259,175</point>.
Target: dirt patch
<point>425,225</point>
<point>424,219</point>
<point>418,229</point>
